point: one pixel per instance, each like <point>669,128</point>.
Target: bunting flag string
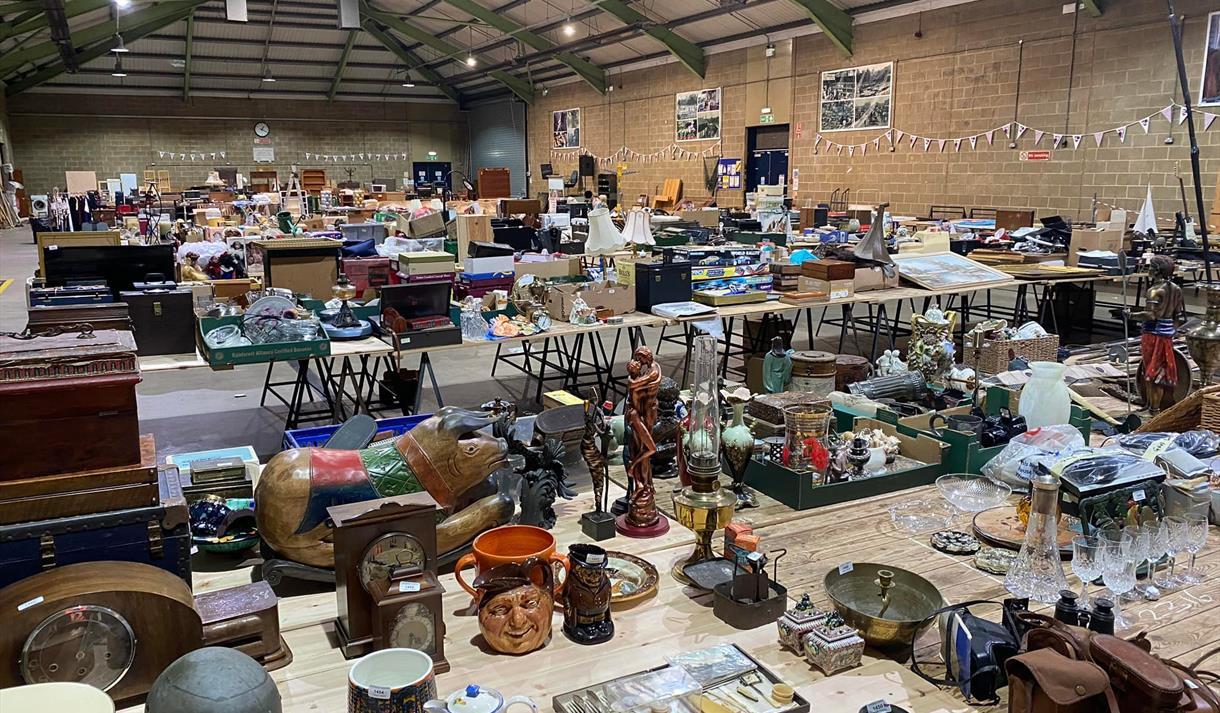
<point>1013,130</point>
<point>188,156</point>
<point>355,156</point>
<point>672,152</point>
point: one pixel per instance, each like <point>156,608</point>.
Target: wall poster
<point>728,171</point>
<point>857,98</point>
<point>1209,90</point>
<point>565,129</point>
<point>697,115</point>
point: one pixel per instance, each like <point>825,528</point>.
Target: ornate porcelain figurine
<point>777,367</point>
<point>643,384</point>
<point>889,363</point>
<point>930,350</point>
<point>581,312</point>
<point>1166,311</point>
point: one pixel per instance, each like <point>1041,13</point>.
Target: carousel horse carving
<point>443,455</point>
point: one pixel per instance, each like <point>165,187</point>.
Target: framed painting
<point>565,129</point>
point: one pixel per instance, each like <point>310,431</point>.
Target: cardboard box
<point>707,217</point>
<point>519,206</point>
<point>1110,239</point>
<point>232,289</point>
<point>426,226</point>
<point>568,266</point>
<point>624,267</point>
<point>615,298</point>
<point>869,278</point>
<point>833,289</point>
<point>490,265</point>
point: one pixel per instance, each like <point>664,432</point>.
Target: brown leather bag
<point>1045,681</point>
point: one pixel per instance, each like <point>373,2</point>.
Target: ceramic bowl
<point>631,578</point>
<point>917,516</point>
<point>971,493</point>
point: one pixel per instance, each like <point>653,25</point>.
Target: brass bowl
<point>857,597</point>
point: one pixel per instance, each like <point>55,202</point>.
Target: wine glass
<point>1118,567</point>
<point>1086,562</point>
<point>1196,538</point>
<point>1158,548</point>
<point>1176,542</point>
<point>1141,543</point>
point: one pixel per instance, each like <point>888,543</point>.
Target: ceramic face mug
<point>391,681</point>
<point>514,612</point>
<point>510,544</point>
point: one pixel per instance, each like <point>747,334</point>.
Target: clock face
<point>414,628</point>
<point>384,555</point>
<point>86,644</point>
<point>261,129</point>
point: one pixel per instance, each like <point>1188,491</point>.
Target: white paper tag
<point>596,558</point>
<point>844,569</point>
<point>877,707</point>
<point>1189,683</point>
<point>379,692</point>
<point>194,550</point>
<point>52,247</point>
<point>32,603</point>
<point>1138,496</point>
<point>408,586</point>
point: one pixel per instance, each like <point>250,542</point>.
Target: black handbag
<point>974,649</point>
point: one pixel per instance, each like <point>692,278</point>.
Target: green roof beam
<point>1093,7</point>
<point>408,58</point>
<point>99,49</point>
<point>591,73</point>
<point>347,51</point>
<point>32,21</point>
<point>190,40</point>
<point>835,23</point>
<point>687,52</point>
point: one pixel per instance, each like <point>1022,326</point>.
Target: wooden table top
<point>1180,625</point>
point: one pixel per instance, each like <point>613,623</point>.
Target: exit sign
<point>766,119</point>
<point>1035,156</point>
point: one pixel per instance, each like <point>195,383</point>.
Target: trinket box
<point>955,542</point>
<point>833,646</point>
<point>797,622</point>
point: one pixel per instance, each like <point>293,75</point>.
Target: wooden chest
<point>114,315</point>
<point>69,404</point>
<point>84,492</point>
<point>829,269</point>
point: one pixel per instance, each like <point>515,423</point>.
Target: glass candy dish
<point>918,516</point>
<point>971,493</point>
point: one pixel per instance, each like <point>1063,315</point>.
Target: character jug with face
<point>515,604</point>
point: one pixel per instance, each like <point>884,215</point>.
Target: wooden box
<point>495,183</point>
<point>308,266</point>
<point>826,289</point>
<point>84,492</point>
<point>426,226</point>
<point>520,206</point>
<point>472,228</point>
<point>829,269</point>
<point>1013,219</point>
<point>114,315</point>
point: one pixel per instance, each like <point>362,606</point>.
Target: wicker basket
<point>1210,418</point>
<point>997,354</point>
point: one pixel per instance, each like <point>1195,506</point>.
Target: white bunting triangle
<point>1145,122</point>
<point>1055,139</point>
<point>877,144</point>
<point>1097,136</point>
<point>1038,136</point>
<point>1181,115</point>
<point>974,141</point>
<point>161,154</point>
<point>1167,112</point>
<point>1076,140</point>
<point>926,144</point>
<point>1021,128</point>
<point>181,157</point>
<point>915,138</point>
<point>990,137</point>
<point>940,145</point>
<point>898,135</point>
<point>851,150</point>
<point>957,144</point>
<point>1122,134</point>
<point>1007,129</point>
<point>1207,121</point>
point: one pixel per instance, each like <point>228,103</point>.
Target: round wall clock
<point>261,129</point>
<point>386,554</point>
<point>86,644</point>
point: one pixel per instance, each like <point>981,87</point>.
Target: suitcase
<point>84,492</point>
<point>661,282</point>
<point>158,535</point>
<point>163,322</point>
<point>101,316</point>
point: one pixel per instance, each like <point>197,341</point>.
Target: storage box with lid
<point>426,226</point>
<point>826,289</point>
<point>363,231</point>
<point>69,403</point>
<point>367,272</point>
<point>426,262</point>
<point>829,270</point>
<point>605,298</point>
<point>661,281</point>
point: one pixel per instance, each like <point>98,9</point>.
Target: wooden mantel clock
<point>409,615</point>
<point>377,541</point>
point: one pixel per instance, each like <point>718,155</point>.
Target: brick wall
<point>960,78</point>
<point>109,135</point>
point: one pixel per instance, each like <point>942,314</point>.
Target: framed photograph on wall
<point>697,115</point>
<point>857,98</point>
<point>1209,88</point>
<point>565,129</point>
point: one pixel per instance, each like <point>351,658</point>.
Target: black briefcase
<point>163,321</point>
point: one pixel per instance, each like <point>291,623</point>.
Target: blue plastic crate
<point>313,437</point>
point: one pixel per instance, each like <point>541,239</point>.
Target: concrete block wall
<point>960,78</point>
<point>53,133</point>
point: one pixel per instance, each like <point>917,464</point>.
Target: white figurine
<point>890,363</point>
<point>581,312</point>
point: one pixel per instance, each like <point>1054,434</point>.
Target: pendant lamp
<point>638,228</point>
<point>604,238</point>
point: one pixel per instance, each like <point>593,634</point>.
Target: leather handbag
<point>1045,681</point>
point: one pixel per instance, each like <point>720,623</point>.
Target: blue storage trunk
<point>317,437</point>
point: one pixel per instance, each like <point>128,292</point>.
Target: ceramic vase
<point>1045,400</point>
<point>1203,341</point>
<point>737,443</point>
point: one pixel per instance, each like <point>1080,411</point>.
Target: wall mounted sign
<point>264,154</point>
<point>697,115</point>
<point>565,129</point>
<point>766,118</point>
<point>1209,90</point>
<point>857,98</point>
<point>1035,156</point>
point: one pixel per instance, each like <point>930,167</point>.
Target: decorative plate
<point>955,542</point>
<point>631,578</point>
<point>994,560</point>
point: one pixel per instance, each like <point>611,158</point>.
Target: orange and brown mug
<point>510,543</point>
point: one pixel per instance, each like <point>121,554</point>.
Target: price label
<point>32,603</point>
<point>1189,683</point>
<point>844,569</point>
<point>408,587</point>
<point>194,550</point>
<point>596,559</point>
<point>1138,496</point>
<point>379,692</point>
<point>877,707</point>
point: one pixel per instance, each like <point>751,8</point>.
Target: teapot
<point>475,699</point>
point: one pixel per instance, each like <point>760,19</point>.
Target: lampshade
<point>604,238</point>
<point>638,228</point>
<point>214,179</point>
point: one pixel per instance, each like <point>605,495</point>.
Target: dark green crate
<point>257,353</point>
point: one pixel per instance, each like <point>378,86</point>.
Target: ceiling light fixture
<point>119,48</point>
<point>267,75</point>
<point>409,85</point>
<point>118,67</point>
<point>471,61</point>
<point>122,3</point>
<point>568,28</point>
